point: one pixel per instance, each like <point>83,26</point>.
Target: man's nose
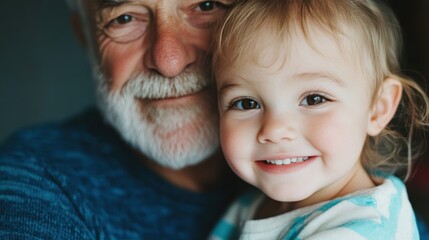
<point>275,129</point>
<point>170,52</point>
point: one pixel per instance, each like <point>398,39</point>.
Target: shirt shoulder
<point>82,181</point>
<point>37,198</point>
<point>240,211</point>
<point>382,212</point>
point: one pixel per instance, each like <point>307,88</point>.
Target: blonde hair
<point>371,28</point>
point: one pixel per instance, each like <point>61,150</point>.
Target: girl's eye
<point>245,104</point>
<point>313,99</point>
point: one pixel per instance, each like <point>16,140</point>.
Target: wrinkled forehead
<point>96,4</point>
<point>101,4</point>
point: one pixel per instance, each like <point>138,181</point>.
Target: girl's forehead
<point>269,47</point>
<point>317,53</point>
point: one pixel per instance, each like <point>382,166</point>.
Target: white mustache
<point>155,86</point>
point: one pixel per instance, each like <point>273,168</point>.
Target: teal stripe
<point>368,229</point>
<point>296,228</point>
<point>225,230</point>
<point>300,222</point>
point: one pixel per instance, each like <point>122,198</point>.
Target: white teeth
<point>287,161</point>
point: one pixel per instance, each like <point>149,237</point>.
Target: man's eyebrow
<point>320,75</point>
<point>111,3</point>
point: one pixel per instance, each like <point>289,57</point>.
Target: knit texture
<point>79,180</point>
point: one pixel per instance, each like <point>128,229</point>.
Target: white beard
<point>173,137</point>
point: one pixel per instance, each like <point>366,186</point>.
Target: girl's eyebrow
<point>306,76</point>
<point>320,75</point>
<point>226,87</point>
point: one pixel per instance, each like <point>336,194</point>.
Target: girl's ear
<point>385,105</point>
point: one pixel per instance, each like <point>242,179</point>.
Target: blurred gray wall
<point>44,72</point>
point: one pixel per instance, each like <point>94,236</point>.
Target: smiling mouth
<point>286,161</point>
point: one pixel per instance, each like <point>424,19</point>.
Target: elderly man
<point>146,164</point>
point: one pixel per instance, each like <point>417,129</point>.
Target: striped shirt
<point>383,212</point>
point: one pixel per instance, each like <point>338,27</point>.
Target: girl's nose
<point>275,129</point>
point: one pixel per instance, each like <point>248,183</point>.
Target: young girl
<point>307,92</point>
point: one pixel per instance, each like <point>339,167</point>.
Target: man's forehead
<point>110,3</point>
<point>98,5</point>
<point>104,3</point>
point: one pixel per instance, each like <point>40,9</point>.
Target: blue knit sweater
<point>78,180</point>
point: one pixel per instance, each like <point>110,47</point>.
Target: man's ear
<point>385,105</point>
<point>78,28</point>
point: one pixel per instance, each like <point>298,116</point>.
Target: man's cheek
<point>120,64</point>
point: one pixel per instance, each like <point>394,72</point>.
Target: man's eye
<point>206,6</point>
<point>123,19</point>
<point>245,104</point>
<point>209,5</point>
<point>205,13</point>
<point>313,99</point>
